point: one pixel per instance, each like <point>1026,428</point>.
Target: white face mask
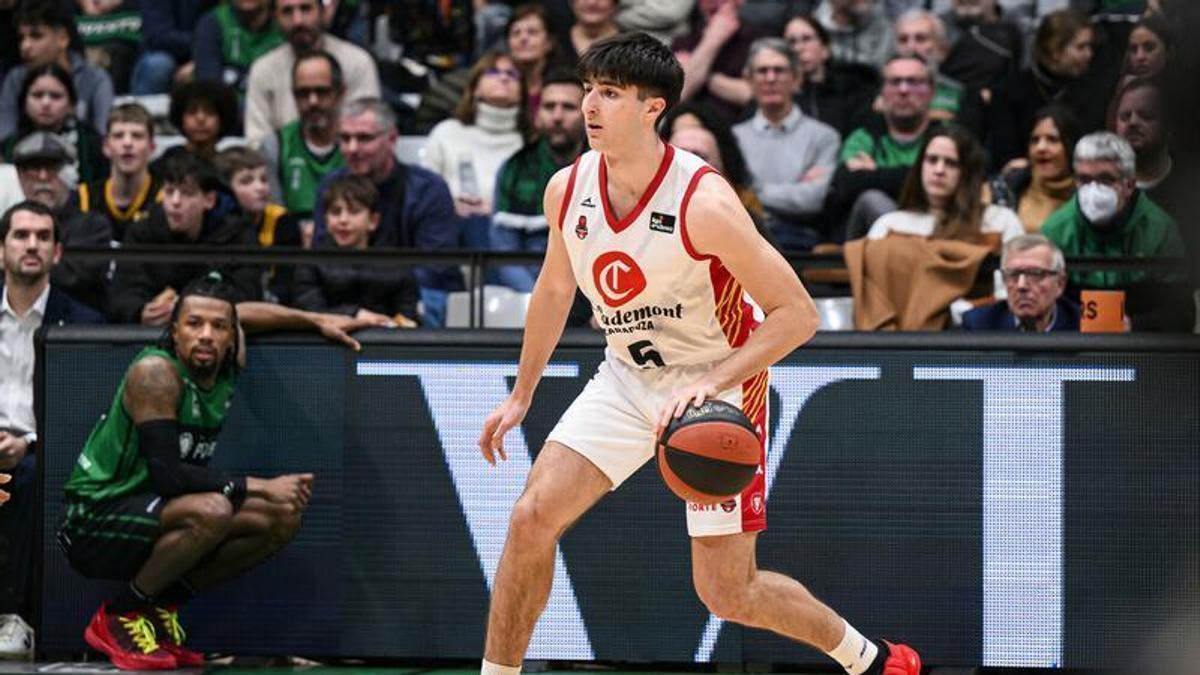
<point>1099,203</point>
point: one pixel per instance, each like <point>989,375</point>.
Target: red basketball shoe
<point>128,640</point>
<point>901,660</point>
<point>171,637</point>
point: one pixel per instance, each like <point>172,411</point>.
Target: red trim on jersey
<point>755,394</point>
<point>566,200</point>
<point>683,207</point>
<point>734,314</point>
<point>618,226</point>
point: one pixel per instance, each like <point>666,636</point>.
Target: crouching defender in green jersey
<point>142,504</point>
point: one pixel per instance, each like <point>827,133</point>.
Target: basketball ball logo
<point>618,278</point>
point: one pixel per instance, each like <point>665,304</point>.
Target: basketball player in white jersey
<point>663,249</point>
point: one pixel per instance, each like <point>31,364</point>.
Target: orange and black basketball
<point>710,453</point>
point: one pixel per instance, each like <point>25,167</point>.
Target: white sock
<point>489,668</point>
<point>855,653</point>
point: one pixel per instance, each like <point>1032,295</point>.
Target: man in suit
<point>31,247</point>
<point>1035,275</point>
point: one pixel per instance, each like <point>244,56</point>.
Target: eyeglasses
<point>910,82</point>
<point>1034,274</point>
<point>763,71</point>
<point>510,73</point>
<point>303,93</point>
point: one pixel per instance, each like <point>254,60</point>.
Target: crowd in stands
<point>841,123</point>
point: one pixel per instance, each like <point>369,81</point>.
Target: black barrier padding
<point>876,504</point>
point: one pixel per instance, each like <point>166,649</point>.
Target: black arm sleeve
<point>158,441</point>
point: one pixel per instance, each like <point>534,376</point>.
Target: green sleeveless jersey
<point>300,171</point>
<point>111,466</point>
<point>240,47</point>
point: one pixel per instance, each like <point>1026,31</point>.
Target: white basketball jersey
<point>658,301</point>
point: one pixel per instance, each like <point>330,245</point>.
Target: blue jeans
<point>16,527</point>
<point>518,277</point>
<point>433,302</point>
<point>153,74</point>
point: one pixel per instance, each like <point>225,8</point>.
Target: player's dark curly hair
<point>634,59</point>
<point>211,285</point>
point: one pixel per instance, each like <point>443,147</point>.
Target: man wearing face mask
<point>1109,216</point>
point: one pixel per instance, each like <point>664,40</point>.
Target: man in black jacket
<point>28,300</point>
<point>195,212</point>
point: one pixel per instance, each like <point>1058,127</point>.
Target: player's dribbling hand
<point>692,395</point>
<point>491,438</point>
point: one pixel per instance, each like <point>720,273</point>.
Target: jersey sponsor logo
<point>196,448</point>
<point>618,278</point>
<point>636,319</point>
<point>587,203</point>
<point>756,502</point>
<point>581,227</point>
<point>662,222</point>
<point>729,505</point>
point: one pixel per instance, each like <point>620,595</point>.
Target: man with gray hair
<point>1035,276</point>
<point>1110,217</point>
<point>791,156</point>
<point>415,207</point>
<point>922,33</point>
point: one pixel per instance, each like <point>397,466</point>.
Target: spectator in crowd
<point>1138,117</point>
<point>167,29</point>
<point>194,211</point>
<point>985,46</point>
<point>204,112</point>
<point>859,31</point>
<point>531,48</point>
<point>46,30</point>
<point>594,21</point>
<point>519,223</point>
<point>834,93</point>
<point>922,33</point>
<point>385,295</point>
<point>270,103</point>
<point>714,57</point>
<point>942,196</point>
<point>1062,60</point>
<point>1039,183</point>
<point>41,159</point>
<point>875,158</point>
<point>230,38</point>
<point>130,190</point>
<point>415,206</point>
<point>28,300</point>
<point>244,171</point>
<point>111,34</point>
<point>663,19</point>
<point>1151,49</point>
<point>791,156</point>
<point>47,104</point>
<point>1109,216</point>
<point>1035,276</point>
<point>304,151</point>
<point>466,150</point>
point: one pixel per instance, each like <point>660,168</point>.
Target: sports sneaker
<point>128,640</point>
<point>16,637</point>
<point>172,636</point>
<point>901,660</point>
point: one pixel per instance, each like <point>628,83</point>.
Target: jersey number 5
<point>643,353</point>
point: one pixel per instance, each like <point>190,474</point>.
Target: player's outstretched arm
<point>718,225</point>
<point>264,316</point>
<point>549,305</point>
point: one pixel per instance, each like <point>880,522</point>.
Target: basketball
<point>710,453</point>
